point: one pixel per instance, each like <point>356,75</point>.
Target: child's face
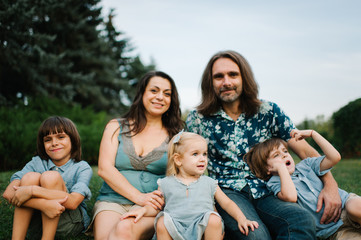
<point>58,147</point>
<point>194,160</point>
<point>280,156</point>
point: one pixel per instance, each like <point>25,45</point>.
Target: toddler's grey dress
<point>186,213</point>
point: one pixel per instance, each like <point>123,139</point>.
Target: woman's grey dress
<point>187,208</point>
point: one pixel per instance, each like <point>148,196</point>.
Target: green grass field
<point>347,173</point>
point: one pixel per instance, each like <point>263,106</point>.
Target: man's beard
<point>228,98</point>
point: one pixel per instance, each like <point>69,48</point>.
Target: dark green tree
<point>347,126</point>
<point>64,49</point>
<point>129,68</point>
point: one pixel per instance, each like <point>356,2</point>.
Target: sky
<point>305,55</point>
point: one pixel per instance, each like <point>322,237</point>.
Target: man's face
<point>227,80</point>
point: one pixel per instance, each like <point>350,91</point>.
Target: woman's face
<point>157,96</point>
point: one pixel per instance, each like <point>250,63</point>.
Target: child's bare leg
<point>51,180</point>
<point>22,215</point>
<point>214,228</point>
<point>162,232</point>
<point>353,208</point>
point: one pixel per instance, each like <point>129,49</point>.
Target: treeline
<point>343,129</point>
<point>65,50</point>
<point>61,58</point>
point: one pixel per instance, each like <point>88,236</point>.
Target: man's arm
<point>329,194</point>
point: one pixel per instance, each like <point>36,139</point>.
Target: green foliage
<point>65,50</point>
<point>322,126</point>
<point>19,127</point>
<point>347,126</point>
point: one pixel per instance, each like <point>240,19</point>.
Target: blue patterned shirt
<point>229,141</point>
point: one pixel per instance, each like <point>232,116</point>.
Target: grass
<point>347,174</point>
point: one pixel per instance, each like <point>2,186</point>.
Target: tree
<point>320,124</point>
<point>58,49</point>
<point>347,126</point>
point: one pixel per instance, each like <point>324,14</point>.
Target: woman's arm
<point>108,172</point>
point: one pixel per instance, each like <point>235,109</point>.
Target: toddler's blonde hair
<point>177,145</point>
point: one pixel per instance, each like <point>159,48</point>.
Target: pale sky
<point>305,55</point>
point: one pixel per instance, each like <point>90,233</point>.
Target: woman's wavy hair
<point>178,145</point>
<point>54,125</point>
<point>210,103</point>
<point>135,118</point>
<point>257,157</point>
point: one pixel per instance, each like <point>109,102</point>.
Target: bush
<point>19,126</point>
<point>347,126</point>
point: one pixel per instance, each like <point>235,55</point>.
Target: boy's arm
<point>332,156</point>
<point>10,191</point>
<point>51,208</point>
<point>288,191</point>
<point>329,194</point>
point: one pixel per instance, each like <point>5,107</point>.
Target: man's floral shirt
<point>229,141</point>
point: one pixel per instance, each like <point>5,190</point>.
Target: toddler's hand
<point>137,213</point>
<point>244,225</point>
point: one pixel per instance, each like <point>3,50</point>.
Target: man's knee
<point>30,178</point>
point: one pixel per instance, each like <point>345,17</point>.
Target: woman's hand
<point>154,199</point>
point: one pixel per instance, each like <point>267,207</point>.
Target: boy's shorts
<point>349,230</point>
<point>70,224</point>
<point>100,206</point>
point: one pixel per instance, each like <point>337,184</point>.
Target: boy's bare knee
<point>51,179</point>
<point>30,178</point>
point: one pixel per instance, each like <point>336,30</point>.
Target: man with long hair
<point>233,119</point>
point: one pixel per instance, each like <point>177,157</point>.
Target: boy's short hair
<point>257,157</point>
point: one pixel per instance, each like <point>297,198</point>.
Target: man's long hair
<point>210,103</point>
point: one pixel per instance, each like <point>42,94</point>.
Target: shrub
<point>19,126</point>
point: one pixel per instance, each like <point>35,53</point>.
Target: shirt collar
<point>62,168</point>
<point>221,113</point>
